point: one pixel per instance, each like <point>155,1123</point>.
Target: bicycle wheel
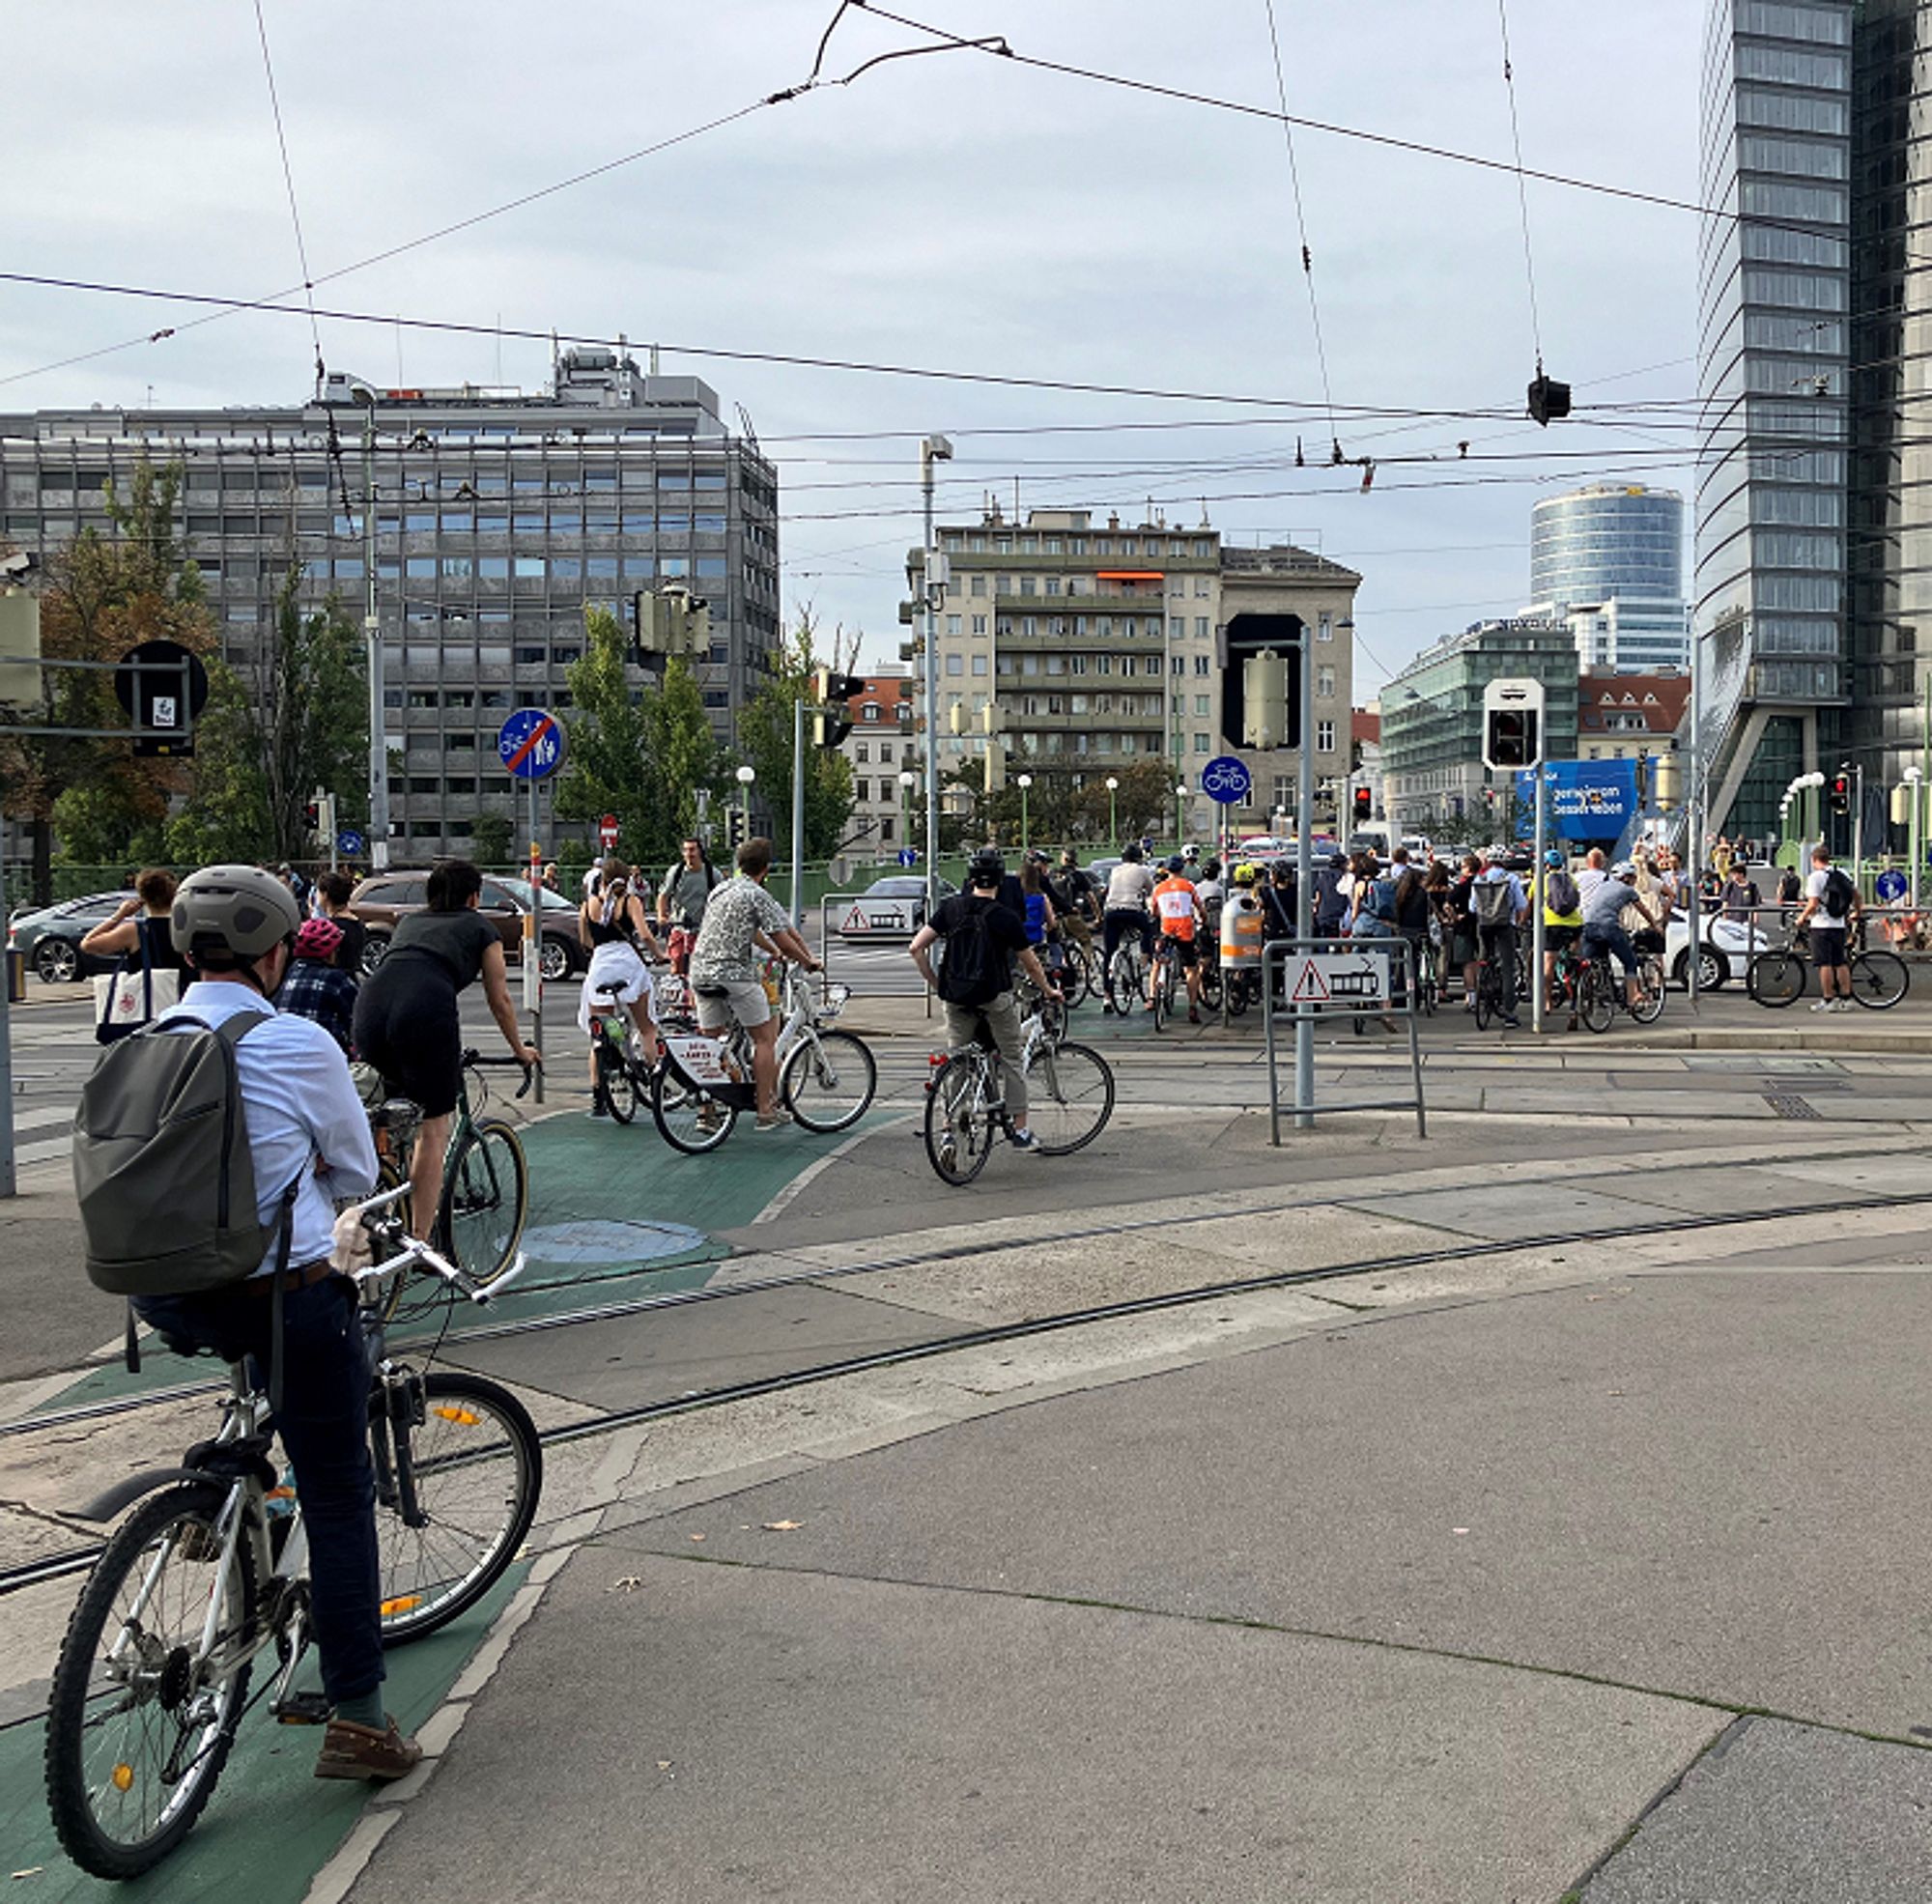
<point>616,1087</point>
<point>474,1466</point>
<point>1069,1097</point>
<point>1160,992</point>
<point>1488,985</point>
<point>1076,974</point>
<point>958,1126</point>
<point>1242,992</point>
<point>140,1718</point>
<point>689,1119</point>
<point>485,1200</point>
<point>1127,979</point>
<point>1649,1007</point>
<point>1210,984</point>
<point>828,1080</point>
<point>1879,980</point>
<point>1596,1002</point>
<point>1776,977</point>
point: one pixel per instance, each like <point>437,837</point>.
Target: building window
<point>1325,737</point>
<point>956,665</point>
<point>862,791</point>
<point>979,664</point>
<point>979,624</point>
<point>871,711</point>
<point>1201,743</point>
<point>978,586</point>
<point>1324,683</point>
<point>1324,630</point>
<point>952,624</point>
<point>861,753</point>
<point>1176,627</point>
<point>1201,706</point>
<point>1204,665</point>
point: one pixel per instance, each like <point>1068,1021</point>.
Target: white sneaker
<point>1824,1004</point>
<point>1841,1004</point>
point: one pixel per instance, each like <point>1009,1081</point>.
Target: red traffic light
<point>1365,802</point>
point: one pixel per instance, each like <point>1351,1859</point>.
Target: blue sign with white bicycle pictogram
<point>1226,781</point>
<point>349,844</point>
<point>530,744</point>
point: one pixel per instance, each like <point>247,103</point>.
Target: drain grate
<point>1788,1105</point>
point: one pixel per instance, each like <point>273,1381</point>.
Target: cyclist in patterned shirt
<point>739,917</point>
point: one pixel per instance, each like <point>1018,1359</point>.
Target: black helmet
<point>986,866</point>
<point>233,911</point>
<point>1131,854</point>
<point>1177,863</point>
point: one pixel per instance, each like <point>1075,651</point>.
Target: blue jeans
<point>324,1424</point>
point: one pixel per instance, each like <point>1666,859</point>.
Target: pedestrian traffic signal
<point>735,825</point>
<point>1265,707</point>
<point>1841,793</point>
<point>1365,802</point>
<point>831,690</point>
<point>1510,738</point>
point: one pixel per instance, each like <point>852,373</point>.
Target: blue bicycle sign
<point>531,745</point>
<point>1226,781</point>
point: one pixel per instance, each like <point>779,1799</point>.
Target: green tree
<point>1144,801</point>
<point>643,755</point>
<point>765,739</point>
<point>105,594</point>
<point>226,816</point>
<point>490,839</point>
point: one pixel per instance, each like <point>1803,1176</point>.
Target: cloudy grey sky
<point>952,211</point>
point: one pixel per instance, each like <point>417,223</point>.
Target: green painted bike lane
<point>272,1824</point>
<point>615,1214</point>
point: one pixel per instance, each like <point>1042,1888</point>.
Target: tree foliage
<point>644,756</point>
<point>765,739</point>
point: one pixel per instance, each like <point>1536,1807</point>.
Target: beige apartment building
<point>1107,645</point>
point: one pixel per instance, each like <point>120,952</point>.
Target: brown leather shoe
<point>350,1750</point>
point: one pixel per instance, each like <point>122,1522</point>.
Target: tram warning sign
<point>1340,978</point>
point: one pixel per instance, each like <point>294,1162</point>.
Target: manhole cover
<point>596,1240</point>
<point>1788,1106</point>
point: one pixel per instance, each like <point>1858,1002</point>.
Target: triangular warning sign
<point>856,920</point>
<point>1310,988</point>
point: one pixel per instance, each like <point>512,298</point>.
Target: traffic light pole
<point>1304,882</point>
<point>798,812</point>
<point>931,449</point>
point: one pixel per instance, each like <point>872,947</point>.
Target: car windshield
<point>895,889</point>
<point>520,890</point>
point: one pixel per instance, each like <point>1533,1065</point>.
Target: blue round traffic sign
<point>1226,781</point>
<point>349,844</point>
<point>1893,886</point>
<point>530,744</point>
<point>908,857</point>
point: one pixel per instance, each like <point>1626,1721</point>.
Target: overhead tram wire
<point>1521,186</point>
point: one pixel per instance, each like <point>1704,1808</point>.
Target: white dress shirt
<point>300,1105</point>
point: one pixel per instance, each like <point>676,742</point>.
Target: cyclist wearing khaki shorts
<point>738,916</point>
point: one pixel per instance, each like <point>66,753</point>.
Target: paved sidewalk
<point>1605,1586</point>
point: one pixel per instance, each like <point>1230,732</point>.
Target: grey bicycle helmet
<point>237,913</point>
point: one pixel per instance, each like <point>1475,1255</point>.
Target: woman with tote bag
<point>149,979</point>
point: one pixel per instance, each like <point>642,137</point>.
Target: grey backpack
<point>163,1167</point>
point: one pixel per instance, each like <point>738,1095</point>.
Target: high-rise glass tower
<point>1775,292</point>
<point>1610,559</point>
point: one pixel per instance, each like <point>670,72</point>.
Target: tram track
<point>53,1567</point>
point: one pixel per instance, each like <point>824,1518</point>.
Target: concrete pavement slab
<point>736,1732</point>
<point>1784,1814</point>
<point>1707,1485</point>
<point>1504,1214</point>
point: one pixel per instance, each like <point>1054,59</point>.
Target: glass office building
<point>1775,291</point>
<point>1889,542</point>
<point>1610,559</point>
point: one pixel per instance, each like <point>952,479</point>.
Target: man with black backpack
<point>1831,904</point>
<point>225,1242</point>
<point>975,980</point>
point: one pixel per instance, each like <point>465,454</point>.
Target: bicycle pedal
<point>303,1709</point>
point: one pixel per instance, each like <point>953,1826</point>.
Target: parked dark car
<point>50,937</point>
<point>384,897</point>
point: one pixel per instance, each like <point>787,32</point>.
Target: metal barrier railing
<point>850,919</point>
<point>1339,977</point>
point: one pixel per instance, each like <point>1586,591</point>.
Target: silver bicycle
<point>211,1572</point>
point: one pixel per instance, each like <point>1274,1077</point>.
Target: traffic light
<point>675,622</point>
<point>1265,709</point>
<point>1365,803</point>
<point>955,717</point>
<point>312,816</point>
<point>1510,738</point>
<point>993,720</point>
<point>1547,399</point>
<point>996,767</point>
<point>831,690</point>
<point>1841,794</point>
<point>735,824</point>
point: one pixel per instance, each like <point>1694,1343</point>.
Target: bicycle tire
<point>93,1825</point>
<point>1880,980</point>
<point>1129,980</point>
<point>485,1200</point>
<point>1650,984</point>
<point>1488,985</point>
<point>688,1120</point>
<point>1160,993</point>
<point>1069,1097</point>
<point>616,1087</point>
<point>1076,974</point>
<point>478,1495</point>
<point>959,1130</point>
<point>1211,985</point>
<point>1596,1002</point>
<point>829,1080</point>
<point>1775,979</point>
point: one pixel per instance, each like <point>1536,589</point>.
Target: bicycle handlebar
<point>416,1251</point>
<point>483,1064</point>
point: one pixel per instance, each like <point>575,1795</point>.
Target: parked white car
<point>1728,947</point>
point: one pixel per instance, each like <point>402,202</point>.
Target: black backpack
<point>1841,894</point>
<point>975,970</point>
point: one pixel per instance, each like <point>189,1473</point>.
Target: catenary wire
<point>1522,184</point>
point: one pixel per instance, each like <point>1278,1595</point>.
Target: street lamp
<point>1023,782</point>
<point>1914,792</point>
<point>1113,814</point>
<point>1179,814</point>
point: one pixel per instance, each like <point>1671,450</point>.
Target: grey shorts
<point>742,1002</point>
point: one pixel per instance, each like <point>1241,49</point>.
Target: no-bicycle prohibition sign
<point>530,744</point>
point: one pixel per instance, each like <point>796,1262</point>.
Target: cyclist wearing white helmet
<point>306,1131</point>
<point>1604,907</point>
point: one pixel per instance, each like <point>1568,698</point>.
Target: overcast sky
<point>951,211</point>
